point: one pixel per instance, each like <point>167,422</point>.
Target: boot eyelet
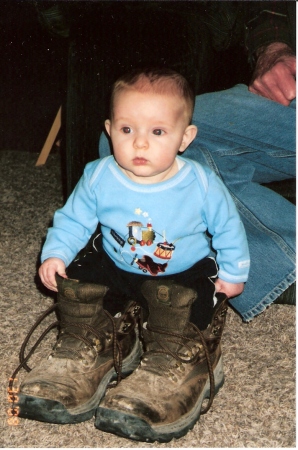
<point>198,348</point>
<point>216,330</point>
<point>136,310</point>
<point>126,327</point>
<point>223,312</point>
<point>108,337</point>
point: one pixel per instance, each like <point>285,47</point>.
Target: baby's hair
<point>159,81</point>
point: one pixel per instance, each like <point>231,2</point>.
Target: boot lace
<point>187,354</point>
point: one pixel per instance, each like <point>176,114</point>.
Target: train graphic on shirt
<point>147,248</point>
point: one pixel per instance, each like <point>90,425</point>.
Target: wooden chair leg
<point>43,156</point>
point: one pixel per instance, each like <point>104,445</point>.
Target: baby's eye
<point>158,132</point>
<point>126,130</point>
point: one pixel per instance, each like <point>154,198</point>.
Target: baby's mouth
<point>139,161</point>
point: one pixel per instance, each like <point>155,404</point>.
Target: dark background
<point>33,76</point>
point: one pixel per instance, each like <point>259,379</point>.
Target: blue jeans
<point>248,140</point>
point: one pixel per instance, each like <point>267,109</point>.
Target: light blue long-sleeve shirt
<point>157,229</point>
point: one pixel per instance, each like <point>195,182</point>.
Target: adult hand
<point>48,270</point>
<point>275,73</point>
<point>230,289</point>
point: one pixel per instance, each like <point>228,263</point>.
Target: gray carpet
<point>255,407</point>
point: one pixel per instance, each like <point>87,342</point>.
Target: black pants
<point>93,265</point>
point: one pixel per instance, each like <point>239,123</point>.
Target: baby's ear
<point>108,126</point>
<point>189,135</point>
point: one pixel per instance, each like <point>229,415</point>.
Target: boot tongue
<point>169,305</point>
<point>169,312</point>
<point>76,291</point>
<point>80,305</point>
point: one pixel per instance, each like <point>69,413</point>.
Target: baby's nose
<point>141,141</point>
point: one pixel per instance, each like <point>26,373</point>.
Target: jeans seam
<point>273,295</point>
<point>207,132</point>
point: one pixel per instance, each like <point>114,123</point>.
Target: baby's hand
<point>48,270</point>
<point>230,289</point>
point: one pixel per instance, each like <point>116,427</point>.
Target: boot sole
<point>132,427</point>
<point>52,411</point>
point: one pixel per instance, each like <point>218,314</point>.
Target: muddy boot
<point>181,366</point>
<point>92,349</point>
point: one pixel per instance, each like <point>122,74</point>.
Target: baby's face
<point>147,131</point>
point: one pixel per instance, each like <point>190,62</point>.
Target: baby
<point>159,214</point>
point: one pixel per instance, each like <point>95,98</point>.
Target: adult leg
<point>248,140</point>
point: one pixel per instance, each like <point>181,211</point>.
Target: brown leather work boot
<point>92,349</point>
<point>181,366</point>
